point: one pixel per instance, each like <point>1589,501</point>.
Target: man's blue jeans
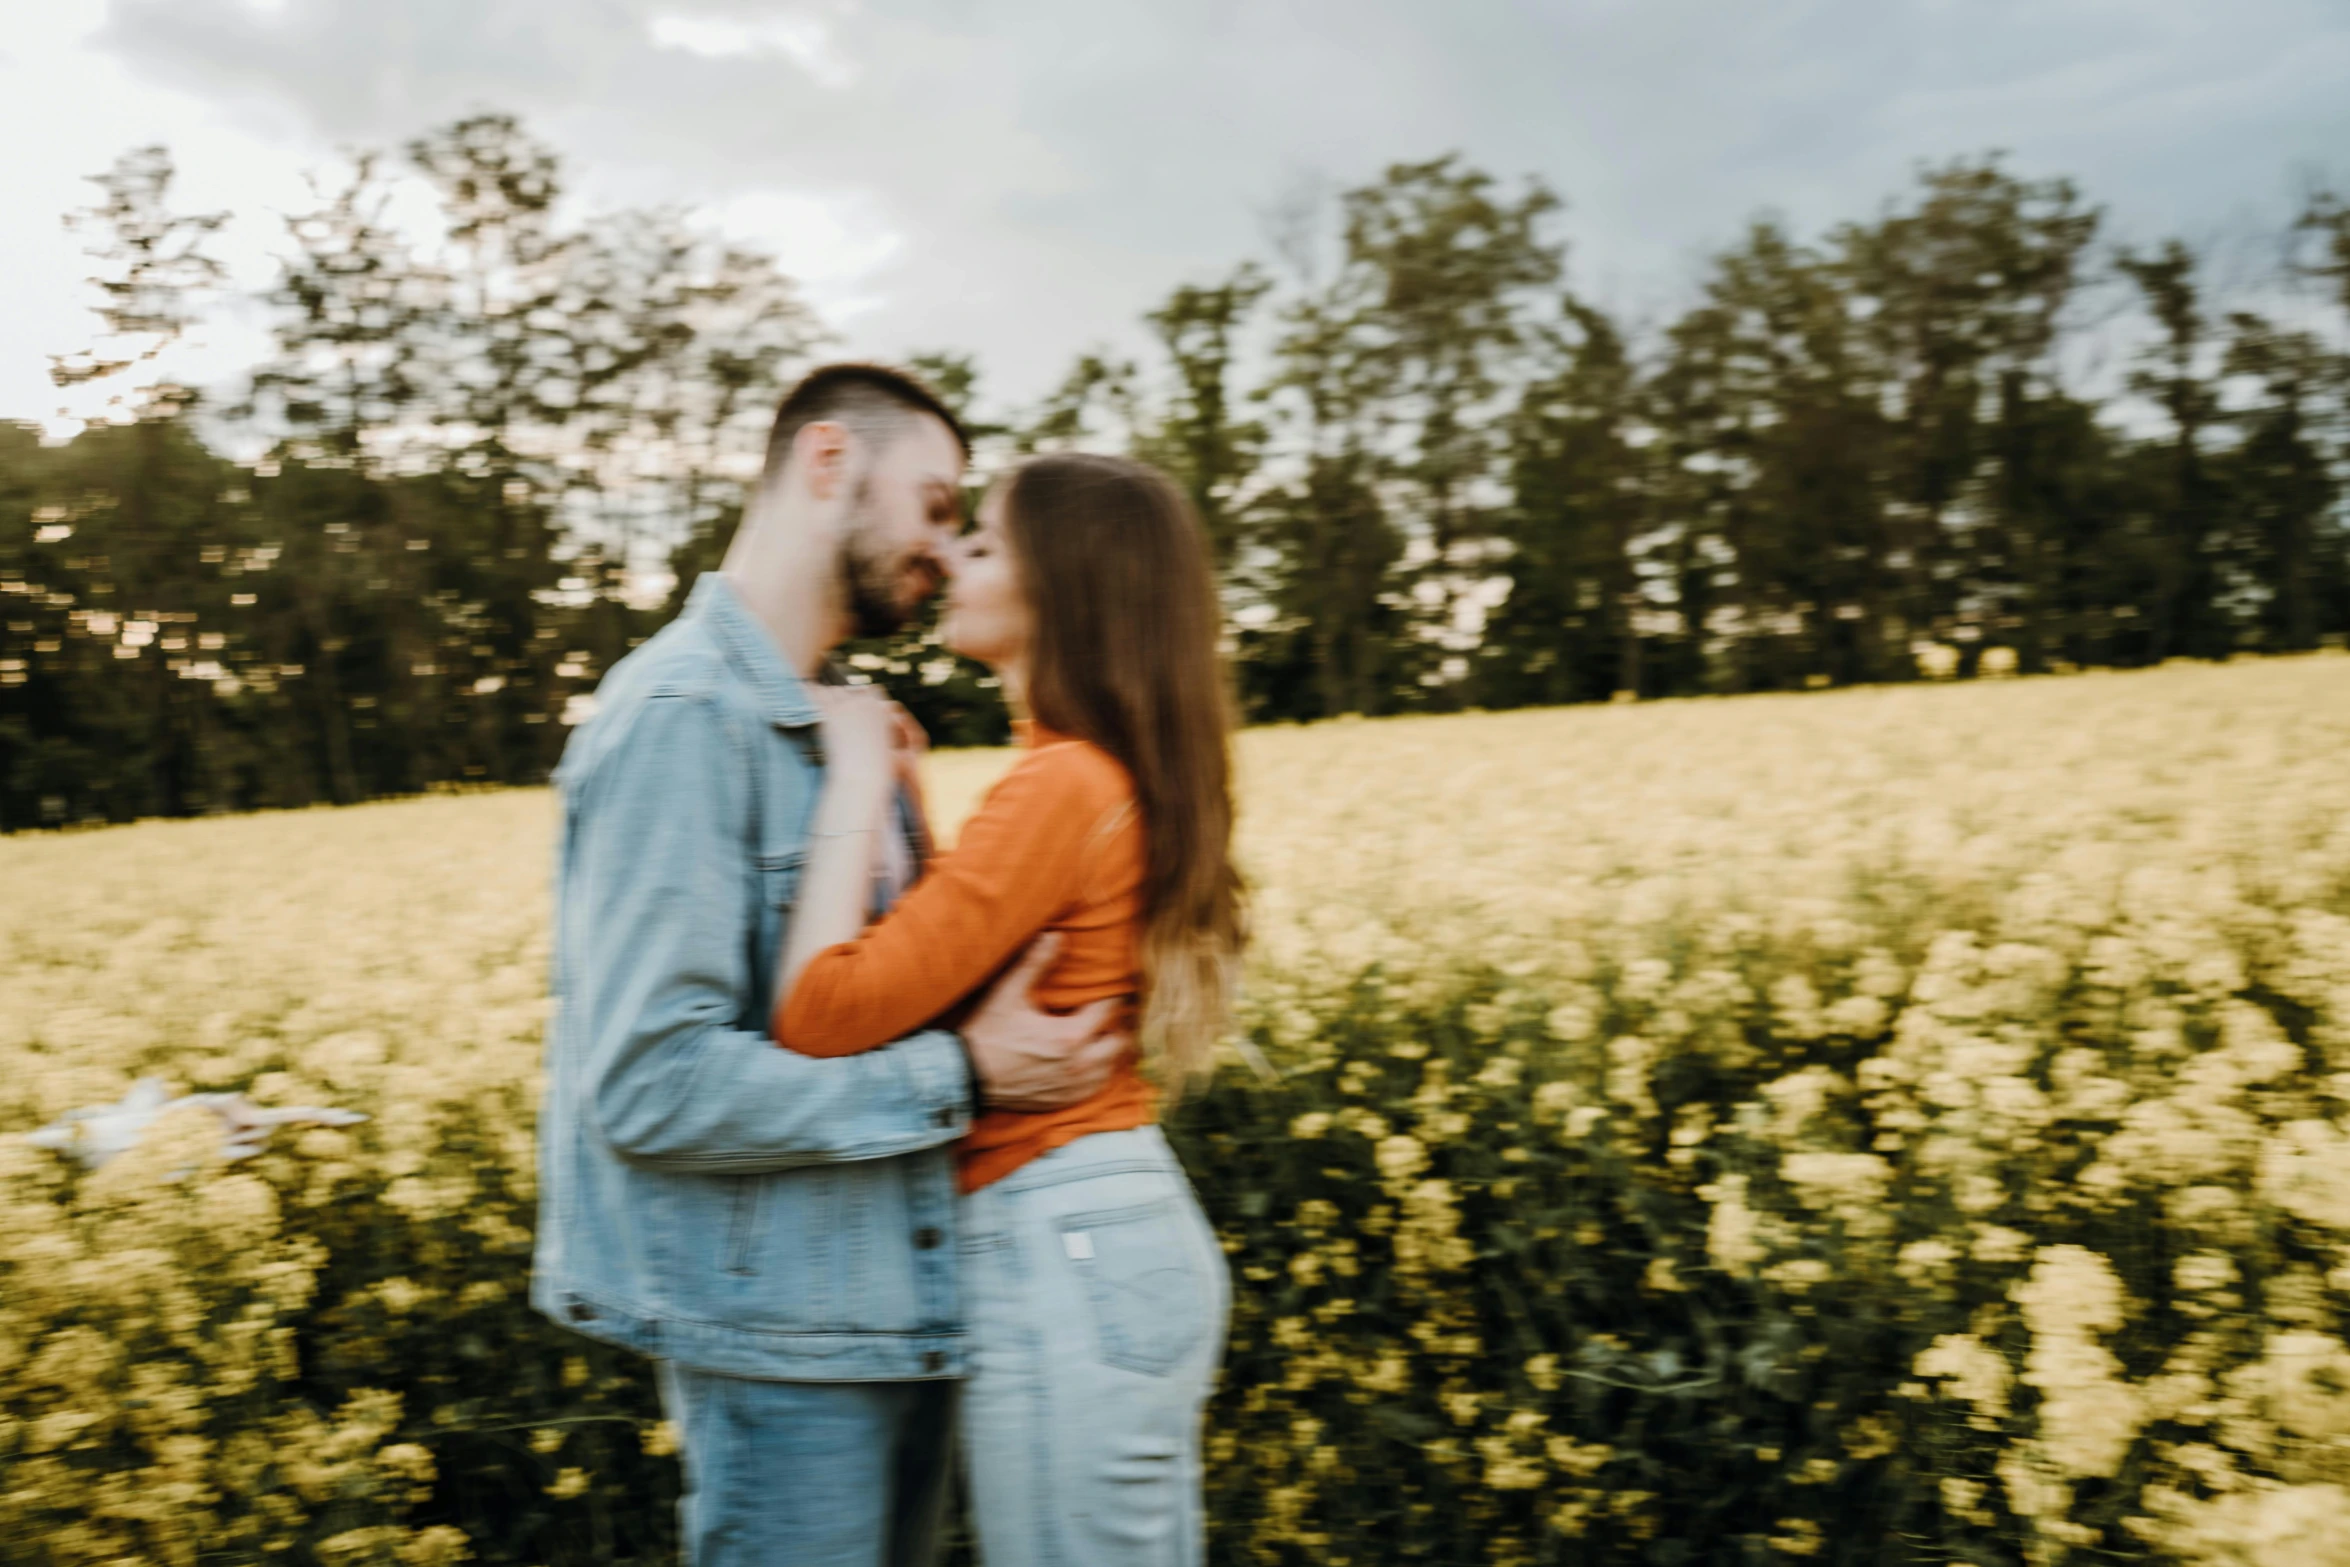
<point>810,1474</point>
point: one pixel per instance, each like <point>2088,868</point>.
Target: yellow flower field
<point>1774,1125</point>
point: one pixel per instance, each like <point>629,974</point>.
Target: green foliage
<point>1436,473</point>
<point>1470,1324</point>
<point>1201,441</point>
<point>1854,460</point>
<point>1568,630</point>
<point>472,458</point>
<point>1916,1131</point>
<point>1381,1342</point>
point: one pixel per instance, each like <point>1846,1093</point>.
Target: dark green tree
<point>1201,439</point>
<point>2281,490</point>
<point>1958,300</point>
<point>1326,626</point>
<point>1443,289</point>
<point>1778,431</point>
<point>1582,494</point>
<point>114,717</point>
<point>2182,494</point>
<point>156,270</point>
<point>1437,476</point>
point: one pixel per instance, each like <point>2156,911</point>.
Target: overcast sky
<point>1021,178</point>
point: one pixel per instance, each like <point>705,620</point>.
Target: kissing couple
<point>857,1140</point>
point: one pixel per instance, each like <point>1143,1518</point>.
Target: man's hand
<point>1029,1059</point>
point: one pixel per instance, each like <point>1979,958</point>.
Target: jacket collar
<point>782,694</point>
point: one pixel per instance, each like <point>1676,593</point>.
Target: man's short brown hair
<point>873,400</point>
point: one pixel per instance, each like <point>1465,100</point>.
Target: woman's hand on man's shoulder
<point>860,729</point>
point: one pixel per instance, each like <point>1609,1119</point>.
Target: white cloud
<point>1022,178</point>
<point>804,40</point>
<point>67,110</point>
<point>835,246</point>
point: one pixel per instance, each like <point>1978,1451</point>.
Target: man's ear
<point>821,453</point>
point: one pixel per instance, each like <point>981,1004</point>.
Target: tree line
<point>1966,435</point>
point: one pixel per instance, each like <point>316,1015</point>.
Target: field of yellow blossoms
<point>1886,1126</point>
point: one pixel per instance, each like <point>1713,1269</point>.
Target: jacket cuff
<point>945,1087</point>
<point>978,1098</point>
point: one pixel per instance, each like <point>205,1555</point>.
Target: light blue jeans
<point>809,1474</point>
<point>1095,1295</point>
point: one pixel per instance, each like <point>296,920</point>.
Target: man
<point>776,1229</point>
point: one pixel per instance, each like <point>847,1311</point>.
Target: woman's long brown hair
<point>1124,654</point>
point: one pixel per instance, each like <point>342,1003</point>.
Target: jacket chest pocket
<point>790,783</point>
<point>779,877</point>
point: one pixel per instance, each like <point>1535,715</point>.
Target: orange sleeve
<point>1017,865</point>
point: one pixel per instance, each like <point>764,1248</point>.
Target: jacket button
<point>581,1311</point>
<point>934,1360</point>
<point>927,1237</point>
<point>942,1116</point>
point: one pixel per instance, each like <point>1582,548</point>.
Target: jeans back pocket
<point>1150,1305</point>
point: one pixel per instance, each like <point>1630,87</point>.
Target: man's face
<point>903,515</point>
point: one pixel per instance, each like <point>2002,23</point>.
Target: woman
<point>1094,1288</point>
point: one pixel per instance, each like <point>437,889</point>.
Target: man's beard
<point>870,583</point>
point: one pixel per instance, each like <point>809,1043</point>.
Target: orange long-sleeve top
<point>1056,845</point>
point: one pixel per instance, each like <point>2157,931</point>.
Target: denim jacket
<point>705,1195</point>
